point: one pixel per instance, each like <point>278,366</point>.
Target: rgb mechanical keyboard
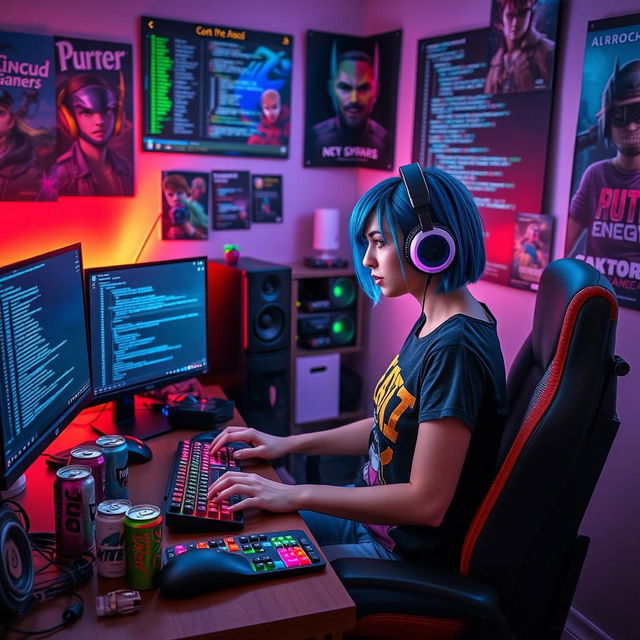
<point>186,505</point>
<point>265,553</point>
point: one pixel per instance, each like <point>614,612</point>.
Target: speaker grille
<point>270,323</point>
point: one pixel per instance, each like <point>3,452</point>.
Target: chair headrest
<point>559,283</point>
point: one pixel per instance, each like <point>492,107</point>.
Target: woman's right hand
<point>262,445</point>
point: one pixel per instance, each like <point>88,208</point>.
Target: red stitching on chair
<point>533,418</point>
<point>407,627</point>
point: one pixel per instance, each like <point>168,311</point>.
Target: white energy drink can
<point>110,538</point>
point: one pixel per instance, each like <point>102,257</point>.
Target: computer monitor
<point>148,329</point>
<point>44,356</point>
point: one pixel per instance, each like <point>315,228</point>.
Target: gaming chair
<point>522,554</point>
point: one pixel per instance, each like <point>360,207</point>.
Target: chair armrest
<point>476,598</point>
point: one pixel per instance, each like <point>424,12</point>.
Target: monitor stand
<point>132,416</point>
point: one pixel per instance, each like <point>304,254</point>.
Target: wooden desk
<point>297,607</point>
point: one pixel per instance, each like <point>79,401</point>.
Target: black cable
<point>72,613</point>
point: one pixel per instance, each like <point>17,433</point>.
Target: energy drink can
<point>114,449</point>
<point>90,456</point>
<point>143,545</point>
<point>74,498</point>
<point>110,537</point>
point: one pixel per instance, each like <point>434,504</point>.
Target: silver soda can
<point>114,449</point>
<point>74,499</point>
<point>110,537</point>
<point>90,456</point>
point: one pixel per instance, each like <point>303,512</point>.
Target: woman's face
<point>382,259</point>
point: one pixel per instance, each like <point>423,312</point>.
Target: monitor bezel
<point>154,384</point>
<point>9,476</point>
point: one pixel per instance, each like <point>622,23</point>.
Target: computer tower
<point>249,335</point>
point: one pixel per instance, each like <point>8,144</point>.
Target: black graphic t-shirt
<point>456,371</point>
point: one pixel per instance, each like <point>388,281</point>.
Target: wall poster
<point>27,118</point>
<point>604,221</point>
<point>351,95</point>
<point>483,111</point>
<point>94,99</point>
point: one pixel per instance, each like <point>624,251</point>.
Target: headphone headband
<point>418,191</point>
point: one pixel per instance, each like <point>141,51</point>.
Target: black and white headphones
<point>429,247</point>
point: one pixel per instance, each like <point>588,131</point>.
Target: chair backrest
<point>562,391</point>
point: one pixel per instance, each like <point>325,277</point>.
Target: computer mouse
<point>202,570</point>
<point>209,436</point>
<point>138,451</point>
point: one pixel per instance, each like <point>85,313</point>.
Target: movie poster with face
<point>351,97</point>
<point>185,205</point>
<point>603,227</point>
<point>95,117</point>
<point>27,118</point>
<point>522,46</point>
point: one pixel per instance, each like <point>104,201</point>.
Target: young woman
<point>438,408</point>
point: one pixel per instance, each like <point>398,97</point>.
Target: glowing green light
<point>337,291</point>
<point>337,326</point>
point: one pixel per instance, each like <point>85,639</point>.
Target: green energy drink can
<point>143,545</point>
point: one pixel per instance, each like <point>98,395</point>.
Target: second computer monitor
<point>148,328</point>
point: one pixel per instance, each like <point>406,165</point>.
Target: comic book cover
<point>185,205</point>
<point>604,210</point>
<point>95,117</point>
<point>531,249</point>
<point>266,193</point>
<point>27,118</point>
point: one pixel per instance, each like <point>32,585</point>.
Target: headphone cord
<point>424,295</point>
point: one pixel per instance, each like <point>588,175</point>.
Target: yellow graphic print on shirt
<point>390,398</point>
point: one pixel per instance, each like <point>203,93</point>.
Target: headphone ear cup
<point>407,246</point>
<point>430,251</point>
<point>16,565</point>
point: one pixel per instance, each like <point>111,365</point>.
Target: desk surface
<point>304,606</point>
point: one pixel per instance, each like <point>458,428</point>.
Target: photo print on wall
<point>185,199</point>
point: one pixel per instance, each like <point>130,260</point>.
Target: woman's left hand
<point>256,491</point>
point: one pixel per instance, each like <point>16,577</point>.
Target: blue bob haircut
<point>451,206</point>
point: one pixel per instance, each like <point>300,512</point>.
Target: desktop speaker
<point>16,565</point>
<point>249,332</point>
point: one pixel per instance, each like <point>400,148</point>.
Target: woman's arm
<point>440,452</point>
<point>350,439</point>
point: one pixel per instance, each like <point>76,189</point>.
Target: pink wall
<point>607,593</point>
<point>111,230</point>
